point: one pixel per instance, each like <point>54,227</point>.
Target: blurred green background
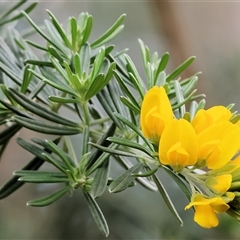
<point>208,30</point>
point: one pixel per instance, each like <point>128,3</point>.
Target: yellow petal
<point>201,121</point>
<point>178,146</point>
<point>206,209</point>
<point>156,113</point>
<point>220,184</point>
<point>224,139</point>
<point>219,113</point>
<point>204,118</point>
<point>205,216</point>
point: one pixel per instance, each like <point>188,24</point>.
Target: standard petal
<point>178,146</point>
<point>204,118</point>
<point>226,137</point>
<point>156,112</point>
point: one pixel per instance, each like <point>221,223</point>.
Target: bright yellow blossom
<point>178,146</point>
<point>218,144</point>
<point>206,210</point>
<point>156,113</point>
<point>220,184</point>
<point>204,118</point>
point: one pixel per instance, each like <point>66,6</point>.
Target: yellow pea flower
<point>156,113</point>
<point>218,144</point>
<point>204,118</point>
<point>220,184</point>
<point>178,146</point>
<point>206,210</point>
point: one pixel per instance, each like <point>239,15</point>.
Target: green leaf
<point>106,102</point>
<point>12,9</point>
<point>40,31</point>
<point>39,126</point>
<point>41,202</point>
<point>180,69</point>
<point>180,98</point>
<point>8,133</point>
<point>60,85</point>
<point>145,174</point>
<point>11,74</point>
<point>77,65</point>
<point>96,86</point>
<point>111,149</point>
<point>13,184</point>
<point>49,158</point>
<point>162,65</point>
<point>100,179</point>
<point>97,214</point>
<point>33,173</point>
<point>127,102</point>
<point>145,182</point>
<point>130,144</point>
<point>85,57</point>
<point>167,198</point>
<point>96,153</point>
<point>38,63</point>
<point>16,17</point>
<point>114,93</point>
<point>36,45</point>
<point>27,76</point>
<point>53,51</point>
<point>87,29</point>
<point>150,75</point>
<point>179,182</point>
<point>125,89</point>
<point>55,149</point>
<point>97,162</point>
<point>110,33</point>
<point>14,109</point>
<point>161,81</point>
<point>31,148</point>
<point>123,181</point>
<point>43,179</point>
<point>189,87</point>
<point>134,128</point>
<point>39,110</point>
<point>85,140</point>
<point>59,29</point>
<point>145,53</point>
<point>74,33</point>
<point>63,100</point>
<point>97,64</point>
<point>134,76</point>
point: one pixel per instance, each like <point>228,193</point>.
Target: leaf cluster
<point>80,87</point>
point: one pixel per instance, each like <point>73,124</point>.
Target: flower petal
<point>204,118</point>
<point>205,216</point>
<point>206,209</point>
<point>156,113</point>
<point>220,184</point>
<point>178,145</point>
<point>226,138</point>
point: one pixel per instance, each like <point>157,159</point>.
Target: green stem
<point>99,121</point>
<point>86,113</point>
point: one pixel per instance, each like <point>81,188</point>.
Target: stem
<point>86,113</point>
<point>99,121</point>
